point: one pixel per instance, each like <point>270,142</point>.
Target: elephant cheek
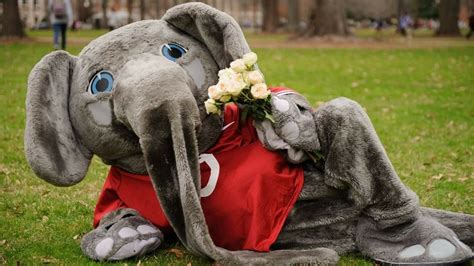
<point>101,112</point>
<point>196,70</point>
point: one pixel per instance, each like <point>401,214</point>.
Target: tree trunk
<point>254,14</point>
<point>142,9</point>
<point>104,13</point>
<point>328,18</point>
<point>293,15</point>
<point>84,10</point>
<point>158,8</point>
<point>12,26</point>
<point>448,18</point>
<point>129,10</point>
<point>270,15</point>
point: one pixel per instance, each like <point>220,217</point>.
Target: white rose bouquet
<point>244,85</point>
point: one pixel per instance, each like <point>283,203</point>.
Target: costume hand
<point>294,129</point>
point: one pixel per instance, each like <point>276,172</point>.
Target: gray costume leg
<point>355,160</point>
<point>379,212</point>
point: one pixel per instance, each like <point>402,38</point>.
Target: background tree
<point>84,10</point>
<point>158,8</point>
<point>293,15</point>
<point>12,25</point>
<point>328,18</point>
<point>448,18</point>
<point>142,9</point>
<point>427,9</point>
<point>129,10</point>
<point>104,4</point>
<point>270,15</point>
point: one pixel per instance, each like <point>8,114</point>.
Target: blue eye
<point>101,82</point>
<point>173,51</point>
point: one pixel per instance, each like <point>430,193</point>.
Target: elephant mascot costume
<point>135,98</point>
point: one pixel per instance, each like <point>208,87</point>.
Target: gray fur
<point>220,33</point>
<point>157,125</point>
<point>52,149</point>
<point>110,228</point>
<point>294,127</point>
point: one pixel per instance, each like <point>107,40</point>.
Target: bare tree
<point>293,15</point>
<point>328,18</point>
<point>448,18</point>
<point>12,25</point>
<point>104,5</point>
<point>129,10</point>
<point>142,9</point>
<point>158,8</point>
<point>254,14</point>
<point>84,10</point>
<point>270,15</point>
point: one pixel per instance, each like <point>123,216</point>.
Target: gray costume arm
<point>294,128</point>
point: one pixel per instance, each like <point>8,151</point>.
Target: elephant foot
<point>121,234</point>
<point>462,224</point>
<point>422,242</point>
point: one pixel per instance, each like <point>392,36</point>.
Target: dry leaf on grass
<point>177,252</point>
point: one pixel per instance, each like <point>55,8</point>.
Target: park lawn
<point>420,101</point>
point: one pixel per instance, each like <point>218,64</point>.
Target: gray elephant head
<point>135,98</point>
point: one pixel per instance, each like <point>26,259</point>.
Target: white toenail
<point>281,105</point>
<point>126,251</point>
<point>131,249</point>
<point>127,232</point>
<point>290,131</point>
<point>441,248</point>
<point>149,241</point>
<point>146,229</point>
<point>104,247</point>
<point>412,251</point>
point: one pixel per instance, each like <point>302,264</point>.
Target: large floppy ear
<point>52,149</point>
<point>217,30</point>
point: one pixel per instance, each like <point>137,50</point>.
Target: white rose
<point>255,77</point>
<point>226,73</point>
<point>250,59</point>
<point>260,91</point>
<point>225,98</point>
<point>232,84</point>
<point>238,65</point>
<point>223,86</point>
<point>214,92</point>
<point>211,107</point>
<point>236,85</point>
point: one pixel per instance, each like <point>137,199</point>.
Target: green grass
<point>70,33</point>
<point>420,101</point>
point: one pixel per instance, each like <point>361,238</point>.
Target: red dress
<point>247,191</point>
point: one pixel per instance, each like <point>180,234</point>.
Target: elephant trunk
<point>164,115</point>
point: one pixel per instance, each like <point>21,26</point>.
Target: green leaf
<point>244,114</point>
<point>269,117</point>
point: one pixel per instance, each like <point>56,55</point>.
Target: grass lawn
<point>420,101</point>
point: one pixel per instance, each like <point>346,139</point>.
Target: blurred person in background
<point>61,17</point>
<point>404,24</point>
